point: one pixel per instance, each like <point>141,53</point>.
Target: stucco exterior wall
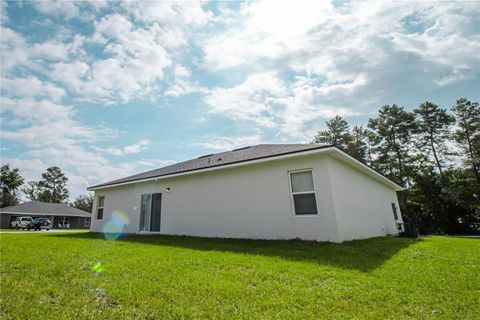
<point>251,201</point>
<point>362,204</point>
<point>254,201</point>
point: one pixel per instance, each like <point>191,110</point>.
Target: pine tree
<point>337,133</point>
<point>53,186</point>
<point>433,130</point>
<point>393,129</point>
<point>359,145</point>
<point>468,133</point>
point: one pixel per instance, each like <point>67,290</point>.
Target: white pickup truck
<point>21,222</point>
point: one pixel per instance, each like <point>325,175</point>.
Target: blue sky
<point>108,89</point>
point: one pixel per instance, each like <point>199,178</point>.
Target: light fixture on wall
<point>167,189</point>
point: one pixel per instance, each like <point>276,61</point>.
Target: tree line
<point>432,152</point>
<point>52,187</point>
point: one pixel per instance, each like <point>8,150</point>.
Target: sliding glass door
<point>150,212</point>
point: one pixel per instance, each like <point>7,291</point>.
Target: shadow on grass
<point>362,255</point>
<point>460,236</point>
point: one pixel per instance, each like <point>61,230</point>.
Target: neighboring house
<point>282,191</point>
<point>60,214</point>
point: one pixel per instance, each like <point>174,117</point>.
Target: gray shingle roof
<point>45,208</point>
<point>220,159</point>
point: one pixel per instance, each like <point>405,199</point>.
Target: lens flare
<point>97,268</point>
<point>115,227</point>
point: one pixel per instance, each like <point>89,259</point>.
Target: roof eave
<point>324,149</point>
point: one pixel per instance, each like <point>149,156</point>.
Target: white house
<point>280,191</point>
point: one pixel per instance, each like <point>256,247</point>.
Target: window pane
<point>305,203</point>
<point>99,214</point>
<point>101,201</point>
<point>302,181</point>
<point>145,212</point>
<point>156,212</point>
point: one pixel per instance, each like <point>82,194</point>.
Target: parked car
<point>21,222</point>
<point>40,223</point>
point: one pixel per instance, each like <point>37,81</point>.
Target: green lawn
<point>82,276</point>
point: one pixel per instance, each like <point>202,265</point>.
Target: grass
<point>83,276</point>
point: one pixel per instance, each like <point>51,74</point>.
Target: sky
<point>106,89</point>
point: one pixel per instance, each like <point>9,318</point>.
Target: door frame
<point>151,206</point>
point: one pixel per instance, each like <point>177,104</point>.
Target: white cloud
<point>18,54</point>
<point>305,104</point>
<point>169,13</point>
<point>98,4</point>
<point>136,61</point>
<point>265,29</point>
<point>31,87</point>
<point>109,150</point>
<point>268,101</point>
<point>139,53</point>
<point>13,50</point>
<point>37,111</point>
<point>183,83</point>
<point>72,74</point>
<point>455,76</point>
<point>345,59</point>
<point>130,149</point>
<point>444,50</point>
<point>318,32</point>
<point>137,147</point>
<point>138,44</point>
<point>50,50</point>
<point>69,9</point>
<point>254,99</point>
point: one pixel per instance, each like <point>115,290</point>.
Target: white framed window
<point>64,222</point>
<point>100,207</point>
<point>303,192</point>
